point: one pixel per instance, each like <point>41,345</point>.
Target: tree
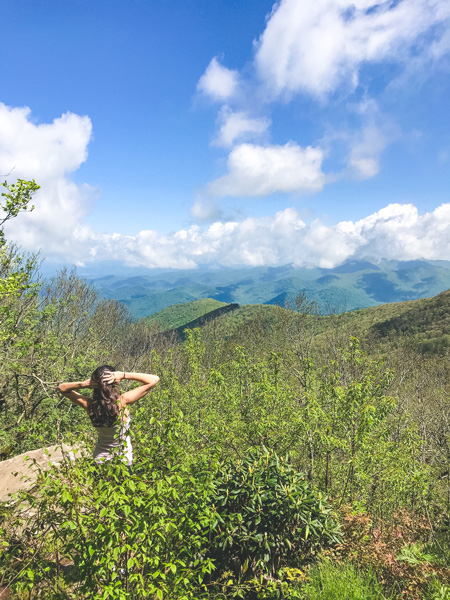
<point>16,199</point>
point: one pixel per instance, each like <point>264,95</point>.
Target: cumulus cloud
<point>42,151</point>
<point>315,47</point>
<point>397,231</point>
<point>255,170</point>
<point>48,153</point>
<point>51,152</point>
<point>239,125</point>
<point>218,82</point>
<point>253,241</point>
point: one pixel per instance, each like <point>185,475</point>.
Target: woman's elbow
<point>155,379</point>
<point>62,387</point>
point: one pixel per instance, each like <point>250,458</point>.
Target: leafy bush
<point>97,532</point>
<point>173,529</point>
<point>268,516</point>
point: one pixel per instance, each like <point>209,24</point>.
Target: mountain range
<point>353,285</point>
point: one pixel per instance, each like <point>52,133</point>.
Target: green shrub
<point>174,529</point>
<point>123,536</point>
<point>268,516</point>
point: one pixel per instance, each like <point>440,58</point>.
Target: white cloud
<point>397,231</point>
<point>42,151</point>
<point>315,47</point>
<point>218,82</point>
<point>262,170</point>
<point>361,148</point>
<point>48,153</point>
<point>239,125</point>
<point>365,154</point>
<point>441,46</point>
<point>253,241</point>
<point>205,209</point>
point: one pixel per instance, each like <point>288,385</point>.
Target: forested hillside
<point>424,323</point>
<point>352,285</point>
<point>178,315</point>
<point>284,453</point>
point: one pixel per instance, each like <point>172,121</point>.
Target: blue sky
<point>178,133</point>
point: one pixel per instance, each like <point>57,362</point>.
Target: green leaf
<point>66,496</point>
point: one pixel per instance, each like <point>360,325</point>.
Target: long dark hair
<point>104,408</point>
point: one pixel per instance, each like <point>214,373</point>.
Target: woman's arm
<point>68,390</point>
<point>74,385</point>
<point>148,382</point>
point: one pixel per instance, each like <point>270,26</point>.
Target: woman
<point>108,408</point>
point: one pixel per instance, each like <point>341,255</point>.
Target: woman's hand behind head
<point>110,377</point>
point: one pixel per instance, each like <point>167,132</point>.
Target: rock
<point>18,473</point>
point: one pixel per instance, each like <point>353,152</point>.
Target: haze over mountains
<point>352,285</point>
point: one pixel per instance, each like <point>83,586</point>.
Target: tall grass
<point>340,582</point>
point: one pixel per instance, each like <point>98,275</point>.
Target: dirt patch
<point>5,593</point>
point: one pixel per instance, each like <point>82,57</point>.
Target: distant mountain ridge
<point>354,284</point>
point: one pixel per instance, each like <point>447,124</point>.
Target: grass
<point>328,581</point>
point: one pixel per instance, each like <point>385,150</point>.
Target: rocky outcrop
<point>20,472</point>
